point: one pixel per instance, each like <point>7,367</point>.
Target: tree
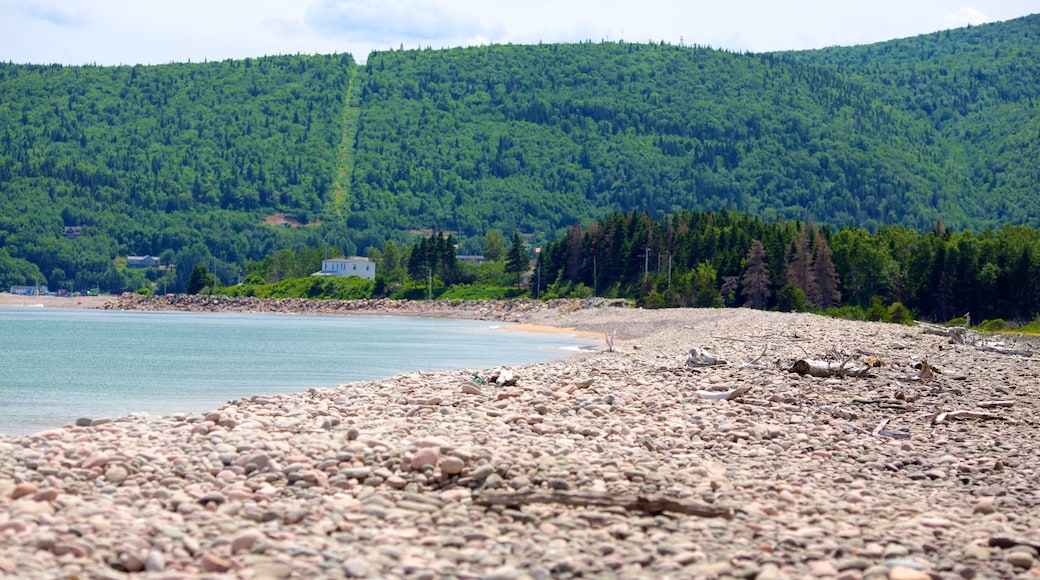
<point>494,246</point>
<point>791,299</point>
<point>800,273</point>
<point>756,278</point>
<point>825,290</point>
<point>200,279</point>
<point>705,287</point>
<point>517,260</point>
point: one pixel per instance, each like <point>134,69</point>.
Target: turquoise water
<point>57,365</point>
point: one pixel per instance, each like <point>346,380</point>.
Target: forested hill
<point>187,161</point>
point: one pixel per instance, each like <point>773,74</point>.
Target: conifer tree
<point>516,258</point>
<point>826,293</point>
<point>800,272</point>
<point>756,278</point>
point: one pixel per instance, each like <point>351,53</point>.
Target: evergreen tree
<point>825,289</point>
<point>517,260</point>
<point>200,279</point>
<point>756,278</point>
<point>800,273</point>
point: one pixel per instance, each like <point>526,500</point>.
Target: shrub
<point>994,324</point>
<point>877,311</point>
<point>899,314</point>
<point>652,301</point>
<point>847,312</point>
<point>143,291</point>
<point>791,299</point>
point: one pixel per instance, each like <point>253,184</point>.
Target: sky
<point>116,32</point>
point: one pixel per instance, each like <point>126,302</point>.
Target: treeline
<point>711,259</point>
<point>702,259</point>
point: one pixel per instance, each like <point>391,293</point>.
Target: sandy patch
<point>8,299</point>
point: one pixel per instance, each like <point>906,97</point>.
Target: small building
<point>474,259</point>
<point>72,232</point>
<point>353,266</point>
<point>29,290</point>
<point>142,262</point>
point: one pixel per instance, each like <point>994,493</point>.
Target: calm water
<point>57,365</point>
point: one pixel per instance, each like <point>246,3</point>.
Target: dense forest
<point>228,163</point>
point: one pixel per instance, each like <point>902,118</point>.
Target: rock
<point>258,462</point>
<point>211,562</point>
<point>470,388</point>
<point>23,489</point>
<point>1020,559</point>
<point>155,562</point>
<point>907,573</point>
<point>423,457</point>
<point>355,567</point>
<point>245,541</point>
<point>451,465</point>
<point>768,571</point>
<point>271,571</point>
<point>116,474</point>
<point>96,459</point>
<point>84,422</point>
<point>46,494</point>
<point>482,472</point>
<point>985,506</point>
<point>359,473</point>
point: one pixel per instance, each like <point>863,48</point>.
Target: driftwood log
<point>822,368</point>
<point>594,499</point>
<point>968,337</point>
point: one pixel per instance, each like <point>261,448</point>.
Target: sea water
<point>57,365</point>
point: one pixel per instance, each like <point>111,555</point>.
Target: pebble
<point>211,562</point>
<point>1020,559</point>
<point>424,457</point>
<point>451,465</point>
<point>386,478</point>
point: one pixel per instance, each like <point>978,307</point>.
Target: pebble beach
<point>918,458</point>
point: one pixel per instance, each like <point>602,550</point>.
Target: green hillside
<point>199,163</point>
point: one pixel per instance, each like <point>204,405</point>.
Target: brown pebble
<point>451,465</point>
<point>23,489</point>
<point>1020,559</point>
<point>244,542</point>
<point>211,562</point>
<point>46,494</point>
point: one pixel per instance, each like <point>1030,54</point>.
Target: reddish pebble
<point>425,456</point>
<point>23,489</point>
<point>213,563</point>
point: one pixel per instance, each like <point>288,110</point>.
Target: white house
<point>354,266</point>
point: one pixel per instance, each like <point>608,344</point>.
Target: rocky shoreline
<point>501,310</point>
<point>623,463</point>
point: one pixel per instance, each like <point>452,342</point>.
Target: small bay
<point>57,365</point>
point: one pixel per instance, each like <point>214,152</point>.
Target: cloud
<point>57,13</point>
<point>423,20</point>
<point>965,16</point>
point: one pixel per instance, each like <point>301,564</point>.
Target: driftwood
<point>821,368</point>
<point>725,395</point>
<point>1002,350</point>
<point>966,336</point>
<point>702,358</point>
<point>586,499</point>
<point>961,415</point>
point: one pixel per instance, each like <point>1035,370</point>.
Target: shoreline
<point>593,465</point>
<point>94,302</point>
